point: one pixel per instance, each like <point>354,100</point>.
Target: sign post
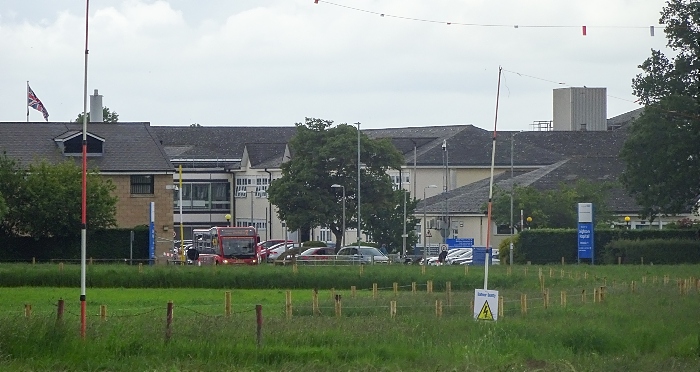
<point>585,232</point>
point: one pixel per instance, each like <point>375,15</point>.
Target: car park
<point>265,246</point>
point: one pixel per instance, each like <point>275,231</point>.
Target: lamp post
<point>404,235</point>
<point>343,187</point>
<point>228,219</point>
<point>529,221</point>
<point>425,224</point>
<point>359,215</point>
<point>627,221</point>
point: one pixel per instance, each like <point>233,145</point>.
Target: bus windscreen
<point>238,247</point>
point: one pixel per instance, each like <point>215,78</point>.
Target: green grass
<point>656,328</point>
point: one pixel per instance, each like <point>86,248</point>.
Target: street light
<point>405,235</point>
<point>425,224</point>
<point>529,221</point>
<point>627,221</point>
<point>343,187</point>
<point>359,215</point>
<point>228,219</point>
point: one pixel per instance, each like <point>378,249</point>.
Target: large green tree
<point>385,224</point>
<point>107,116</point>
<point>662,151</point>
<point>325,155</point>
<point>551,208</point>
<point>44,200</point>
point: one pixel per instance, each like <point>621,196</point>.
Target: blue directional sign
<point>460,243</point>
<point>479,256</point>
<point>585,231</point>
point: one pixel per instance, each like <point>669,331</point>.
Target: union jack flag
<point>34,102</point>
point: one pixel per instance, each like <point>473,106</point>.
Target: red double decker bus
<point>225,246</point>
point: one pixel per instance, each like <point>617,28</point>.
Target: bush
<point>657,251</point>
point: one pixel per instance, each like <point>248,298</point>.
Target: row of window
<point>257,184</point>
<point>203,196</point>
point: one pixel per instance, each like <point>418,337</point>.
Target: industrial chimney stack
<point>96,108</point>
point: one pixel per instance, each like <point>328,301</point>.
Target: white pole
<point>83,230</point>
<point>359,215</point>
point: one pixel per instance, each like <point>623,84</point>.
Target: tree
<point>107,116</point>
<point>44,200</point>
<point>3,207</point>
<point>325,155</point>
<point>662,152</point>
<point>552,208</point>
<point>385,224</point>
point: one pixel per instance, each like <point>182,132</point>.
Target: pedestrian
<point>442,256</point>
<point>383,250</point>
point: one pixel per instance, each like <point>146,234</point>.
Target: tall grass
<point>654,328</point>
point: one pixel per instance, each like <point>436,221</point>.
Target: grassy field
<point>653,328</point>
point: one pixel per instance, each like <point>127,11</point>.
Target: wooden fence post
<point>27,311</point>
<point>396,289</point>
<point>288,304</point>
<point>227,303</point>
<point>500,306</point>
<point>338,306</point>
<point>583,296</point>
<point>103,312</point>
<point>362,269</point>
<point>392,309</point>
<point>413,287</point>
<point>448,292</point>
<point>374,290</point>
<point>523,303</point>
<point>422,269</point>
<point>169,321</point>
<point>353,291</point>
<point>259,323</point>
<point>60,310</point>
<point>563,298</point>
<point>314,301</point>
<point>140,267</point>
<point>438,308</point>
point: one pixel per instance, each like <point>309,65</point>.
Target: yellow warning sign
<point>485,313</point>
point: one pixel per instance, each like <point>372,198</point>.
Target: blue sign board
<point>479,256</point>
<point>585,240</point>
<point>585,231</point>
<point>460,243</point>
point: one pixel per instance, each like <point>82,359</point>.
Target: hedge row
<point>103,244</point>
<point>543,246</point>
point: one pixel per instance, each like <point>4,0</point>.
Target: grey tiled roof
<point>266,155</point>
<point>128,147</point>
<point>218,142</point>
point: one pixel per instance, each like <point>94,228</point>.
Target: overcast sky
<point>274,62</point>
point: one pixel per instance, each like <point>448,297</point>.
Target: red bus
<point>225,246</point>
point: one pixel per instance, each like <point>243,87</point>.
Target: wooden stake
<point>169,321</point>
<point>396,289</point>
<point>438,308</point>
<point>314,302</point>
<point>227,303</point>
<point>523,303</point>
<point>259,323</point>
<point>563,298</point>
<point>500,306</point>
<point>392,309</point>
<point>422,269</point>
<point>374,290</point>
<point>60,310</point>
<point>413,287</point>
<point>353,291</point>
<point>338,307</point>
<point>583,296</point>
<point>27,311</point>
<point>103,312</point>
<point>288,304</point>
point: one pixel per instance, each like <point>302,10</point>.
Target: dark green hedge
<point>543,246</point>
<point>103,244</point>
<point>654,251</point>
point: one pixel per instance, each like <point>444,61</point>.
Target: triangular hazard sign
<point>428,234</point>
<point>485,313</point>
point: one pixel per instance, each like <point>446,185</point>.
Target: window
<point>325,235</point>
<point>503,229</point>
<point>245,222</point>
<point>242,186</point>
<point>203,196</point>
<point>261,183</point>
<point>142,184</point>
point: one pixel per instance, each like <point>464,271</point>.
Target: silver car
<point>363,255</point>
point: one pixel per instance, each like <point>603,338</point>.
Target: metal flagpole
<point>83,225</point>
<point>493,159</point>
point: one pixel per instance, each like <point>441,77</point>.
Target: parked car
<point>316,255</point>
<point>276,250</point>
<point>363,255</point>
<point>265,246</point>
<point>452,253</point>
